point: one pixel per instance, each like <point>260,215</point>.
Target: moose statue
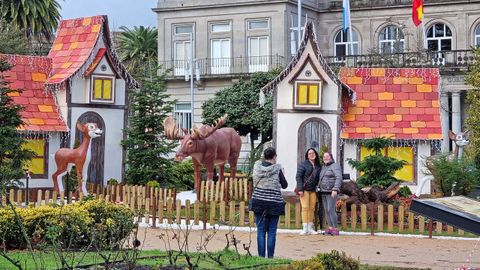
<point>207,145</point>
<point>79,157</point>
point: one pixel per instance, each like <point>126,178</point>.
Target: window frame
<point>102,77</point>
<point>439,39</point>
<point>391,42</point>
<point>356,44</point>
<point>45,157</point>
<point>267,20</point>
<point>212,24</point>
<point>476,36</point>
<point>221,65</point>
<point>296,105</point>
<point>182,113</point>
<point>176,26</point>
<point>180,66</point>
<point>257,64</point>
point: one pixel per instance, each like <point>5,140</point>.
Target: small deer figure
<point>80,156</point>
<point>207,145</point>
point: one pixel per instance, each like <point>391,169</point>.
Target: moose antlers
<point>171,130</point>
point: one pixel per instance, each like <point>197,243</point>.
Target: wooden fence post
<point>343,216</point>
<point>380,217</point>
<point>353,213</point>
<point>196,212</point>
<point>241,220</point>
<point>401,217</point>
<point>298,211</point>
<point>222,211</point>
<point>363,216</point>
<point>187,212</point>
<point>421,224</point>
<point>213,207</point>
<point>178,217</point>
<point>287,215</point>
<point>390,218</point>
<point>231,213</point>
<point>411,222</point>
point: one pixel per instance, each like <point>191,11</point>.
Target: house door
<point>96,166</point>
<point>313,133</point>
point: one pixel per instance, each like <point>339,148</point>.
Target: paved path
<point>376,250</point>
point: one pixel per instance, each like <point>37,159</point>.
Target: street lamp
<point>189,76</point>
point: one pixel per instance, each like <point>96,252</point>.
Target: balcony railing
<point>224,67</point>
<point>445,60</point>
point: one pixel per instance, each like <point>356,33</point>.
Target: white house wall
<point>287,140</point>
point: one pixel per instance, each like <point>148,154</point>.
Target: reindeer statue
<point>460,141</point>
<point>80,157</point>
<point>207,145</point>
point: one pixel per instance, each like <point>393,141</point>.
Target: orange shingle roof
<point>393,103</point>
<point>75,41</point>
<point>29,74</point>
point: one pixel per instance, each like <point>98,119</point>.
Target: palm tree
<point>36,18</point>
<point>138,48</point>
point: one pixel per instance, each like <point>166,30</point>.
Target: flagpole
<point>299,22</point>
<point>351,37</point>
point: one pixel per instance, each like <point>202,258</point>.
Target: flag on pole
<point>347,22</point>
<point>417,12</point>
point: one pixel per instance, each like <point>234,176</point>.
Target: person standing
<point>307,179</point>
<point>329,187</point>
<point>267,201</point>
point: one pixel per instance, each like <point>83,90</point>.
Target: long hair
<point>317,158</point>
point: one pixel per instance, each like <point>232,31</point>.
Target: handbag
<point>306,182</point>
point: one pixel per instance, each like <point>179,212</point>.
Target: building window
<point>407,173</point>
<point>258,59</point>
<point>343,44</point>
<point>391,40</point>
<point>102,89</point>
<point>182,54</point>
<point>182,114</point>
<point>307,95</point>
<point>220,53</point>
<point>183,29</point>
<point>37,165</point>
<point>221,27</point>
<point>477,36</point>
<point>257,24</point>
<point>439,37</point>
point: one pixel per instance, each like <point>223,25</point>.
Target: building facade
<point>232,39</point>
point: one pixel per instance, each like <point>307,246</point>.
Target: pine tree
<point>12,156</point>
<point>147,148</point>
<point>377,169</point>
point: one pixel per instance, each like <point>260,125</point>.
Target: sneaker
<point>334,231</point>
<point>327,231</point>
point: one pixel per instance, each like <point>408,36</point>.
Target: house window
<point>307,94</point>
<point>182,54</point>
<point>391,40</point>
<point>182,114</point>
<point>477,36</point>
<point>343,45</point>
<point>439,38</point>
<point>183,29</point>
<point>407,173</point>
<point>258,59</point>
<point>37,165</point>
<point>257,24</point>
<point>220,53</point>
<point>102,89</point>
<point>221,27</point>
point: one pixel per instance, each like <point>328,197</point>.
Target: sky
<point>120,12</point>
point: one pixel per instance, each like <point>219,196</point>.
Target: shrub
<point>404,192</point>
<point>73,225</point>
<point>463,173</point>
<point>327,261</point>
<point>183,175</point>
<point>153,184</point>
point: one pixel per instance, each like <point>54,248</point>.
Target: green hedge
<point>91,222</point>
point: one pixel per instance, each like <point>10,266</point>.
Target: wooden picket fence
<point>161,206</point>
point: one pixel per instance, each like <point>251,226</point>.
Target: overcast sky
<point>120,12</point>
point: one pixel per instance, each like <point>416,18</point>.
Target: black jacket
<point>304,170</point>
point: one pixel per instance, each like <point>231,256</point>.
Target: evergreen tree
<point>147,148</point>
<point>473,120</point>
<point>12,156</point>
<point>377,169</point>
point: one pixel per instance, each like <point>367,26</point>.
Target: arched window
<point>343,44</point>
<point>391,40</point>
<point>439,37</point>
<point>477,36</point>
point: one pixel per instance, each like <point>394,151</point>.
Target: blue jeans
<point>266,225</point>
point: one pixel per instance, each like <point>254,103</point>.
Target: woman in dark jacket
<point>307,180</point>
<point>329,187</point>
<point>267,202</point>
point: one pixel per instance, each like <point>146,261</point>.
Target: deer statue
<point>80,157</point>
<point>460,141</point>
<point>207,145</point>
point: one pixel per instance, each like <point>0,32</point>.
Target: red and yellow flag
<point>417,12</point>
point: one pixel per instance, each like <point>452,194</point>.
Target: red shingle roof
<point>393,103</point>
<point>28,75</point>
<point>75,41</point>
